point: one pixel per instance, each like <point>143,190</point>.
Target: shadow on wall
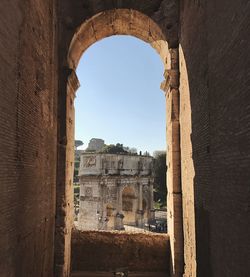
<point>214,98</point>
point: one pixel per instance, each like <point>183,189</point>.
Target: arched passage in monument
<point>129,207</point>
<point>134,23</point>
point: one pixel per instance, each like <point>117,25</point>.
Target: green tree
<point>113,149</point>
<point>78,143</point>
<point>160,178</point>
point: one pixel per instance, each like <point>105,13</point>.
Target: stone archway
<point>129,205</point>
<point>129,21</point>
<point>117,22</point>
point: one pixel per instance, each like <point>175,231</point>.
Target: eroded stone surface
<point>115,189</point>
<point>108,251</point>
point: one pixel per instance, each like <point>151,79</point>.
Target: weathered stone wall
<point>115,164</point>
<point>215,136</point>
<point>27,138</point>
<point>65,171</point>
<point>112,250</point>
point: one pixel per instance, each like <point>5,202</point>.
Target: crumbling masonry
<point>115,189</point>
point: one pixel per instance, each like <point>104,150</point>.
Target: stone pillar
<point>140,196</point>
<point>65,170</point>
<point>174,198</point>
<point>120,198</point>
<point>104,218</point>
<point>119,215</point>
<point>140,211</point>
<point>103,211</point>
<point>151,203</point>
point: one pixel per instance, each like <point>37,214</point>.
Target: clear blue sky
<point>120,99</point>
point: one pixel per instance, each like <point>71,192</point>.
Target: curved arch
<point>128,197</point>
<point>140,25</point>
<point>129,205</point>
<point>117,22</point>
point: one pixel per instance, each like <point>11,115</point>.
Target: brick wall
<point>27,138</point>
<point>214,42</point>
<point>112,250</point>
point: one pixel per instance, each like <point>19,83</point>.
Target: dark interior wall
<point>27,138</point>
<point>214,37</point>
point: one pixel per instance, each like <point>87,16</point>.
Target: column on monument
<point>104,206</point>
<point>119,214</point>
<point>140,207</point>
<point>151,191</point>
<point>119,197</point>
<point>140,197</point>
<point>100,205</point>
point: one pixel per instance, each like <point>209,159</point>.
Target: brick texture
<point>215,130</point>
<point>112,250</point>
<point>27,138</point>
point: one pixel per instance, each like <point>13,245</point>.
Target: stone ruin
<point>115,189</point>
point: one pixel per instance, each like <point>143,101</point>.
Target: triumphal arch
<point>115,189</point>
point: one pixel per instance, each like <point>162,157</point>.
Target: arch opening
<point>129,206</point>
<point>134,23</point>
<point>117,22</point>
<point>97,65</point>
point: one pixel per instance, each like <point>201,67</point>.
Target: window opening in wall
<point>119,132</point>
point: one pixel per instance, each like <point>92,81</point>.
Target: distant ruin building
<point>95,144</point>
<point>115,189</point>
